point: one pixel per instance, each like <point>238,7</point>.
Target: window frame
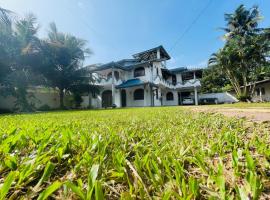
<point>169,96</point>
<point>138,96</point>
<point>137,72</point>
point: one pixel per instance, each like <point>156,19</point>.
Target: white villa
<point>145,81</point>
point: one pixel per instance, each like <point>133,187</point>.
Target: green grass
<point>144,153</point>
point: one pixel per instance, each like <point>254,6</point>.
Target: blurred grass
<point>137,153</point>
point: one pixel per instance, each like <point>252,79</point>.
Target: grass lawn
<point>143,153</point>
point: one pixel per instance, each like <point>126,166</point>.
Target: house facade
<point>145,80</point>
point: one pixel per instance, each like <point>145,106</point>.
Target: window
<point>169,96</point>
<point>174,79</point>
<point>116,75</point>
<point>263,91</point>
<point>156,93</point>
<point>139,72</point>
<point>258,91</point>
<point>139,94</point>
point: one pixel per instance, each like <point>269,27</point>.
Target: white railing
<point>186,84</point>
<point>104,81</point>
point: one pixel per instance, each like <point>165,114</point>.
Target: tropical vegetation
<point>244,59</point>
<point>26,60</point>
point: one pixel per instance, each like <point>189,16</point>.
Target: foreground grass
<point>159,153</point>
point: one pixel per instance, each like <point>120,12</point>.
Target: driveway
<point>257,114</point>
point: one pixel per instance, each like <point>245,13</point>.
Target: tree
<point>214,80</point>
<point>63,64</point>
<point>244,56</point>
<point>19,47</point>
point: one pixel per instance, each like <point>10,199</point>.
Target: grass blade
<point>51,189</point>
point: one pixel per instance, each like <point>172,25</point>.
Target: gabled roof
<point>163,52</point>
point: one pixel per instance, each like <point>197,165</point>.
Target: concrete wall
<point>50,98</point>
<point>224,97</point>
<point>40,99</point>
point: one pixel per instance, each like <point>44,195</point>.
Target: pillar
<point>196,96</point>
<point>113,88</point>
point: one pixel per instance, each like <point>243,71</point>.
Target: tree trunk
<point>61,95</point>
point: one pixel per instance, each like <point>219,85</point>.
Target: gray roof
<point>161,48</point>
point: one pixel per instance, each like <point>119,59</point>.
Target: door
<point>107,99</point>
<point>123,98</point>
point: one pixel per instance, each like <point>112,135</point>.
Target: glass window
<point>116,75</point>
<point>258,91</point>
<point>139,94</point>
<point>169,96</point>
<point>139,72</point>
<point>263,91</point>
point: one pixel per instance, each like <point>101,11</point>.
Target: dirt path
<point>258,114</point>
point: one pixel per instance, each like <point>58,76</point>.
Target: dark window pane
<point>139,72</point>
<point>139,94</point>
<point>263,91</point>
<point>169,96</point>
<point>258,91</point>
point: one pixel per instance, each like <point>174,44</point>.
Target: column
<point>113,88</point>
<point>196,96</point>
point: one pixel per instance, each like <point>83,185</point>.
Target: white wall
<point>49,98</point>
<point>174,102</point>
<point>224,97</point>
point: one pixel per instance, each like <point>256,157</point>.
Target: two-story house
<point>146,81</point>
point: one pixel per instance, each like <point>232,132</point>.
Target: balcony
<point>184,85</point>
<point>105,81</point>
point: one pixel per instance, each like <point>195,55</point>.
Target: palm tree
<point>64,55</point>
<point>242,22</point>
<point>245,50</point>
<point>18,49</point>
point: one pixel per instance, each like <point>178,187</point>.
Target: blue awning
<point>130,83</point>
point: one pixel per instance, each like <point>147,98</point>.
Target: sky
<point>116,29</point>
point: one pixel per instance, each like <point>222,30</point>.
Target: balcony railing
<point>187,84</point>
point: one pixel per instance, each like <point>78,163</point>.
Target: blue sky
<point>116,29</point>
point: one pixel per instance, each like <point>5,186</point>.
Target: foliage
<point>244,57</point>
<point>18,44</point>
<point>25,60</point>
<point>142,153</point>
<point>213,80</point>
<point>64,55</point>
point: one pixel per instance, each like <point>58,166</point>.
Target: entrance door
<point>107,98</point>
<point>123,98</point>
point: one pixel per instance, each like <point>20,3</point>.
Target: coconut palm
<point>64,55</point>
<point>245,51</point>
<point>242,22</point>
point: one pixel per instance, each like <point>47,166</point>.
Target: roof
<point>179,69</point>
<point>259,82</point>
<point>130,83</point>
<point>162,52</point>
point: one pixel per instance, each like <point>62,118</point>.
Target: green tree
<point>63,63</point>
<point>19,46</point>
<point>214,80</point>
<point>244,56</point>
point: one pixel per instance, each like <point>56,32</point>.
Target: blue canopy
<point>130,83</point>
